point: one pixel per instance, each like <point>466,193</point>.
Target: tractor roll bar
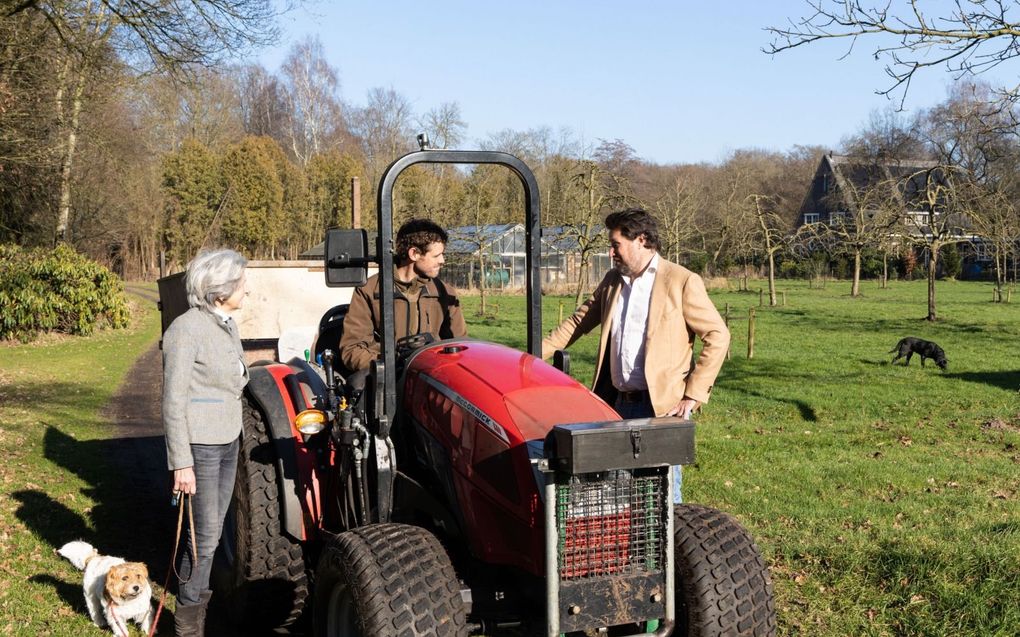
<point>384,250</point>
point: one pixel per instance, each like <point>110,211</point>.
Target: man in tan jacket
<point>422,303</point>
<point>650,311</point>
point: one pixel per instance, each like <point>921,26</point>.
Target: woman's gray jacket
<point>202,384</point>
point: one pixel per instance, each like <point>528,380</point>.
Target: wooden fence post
<point>561,311</point>
<point>750,333</point>
<point>726,319</point>
<point>784,298</point>
<point>761,297</point>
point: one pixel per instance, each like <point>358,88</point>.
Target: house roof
<point>854,175</point>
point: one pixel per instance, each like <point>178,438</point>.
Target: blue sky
<point>679,81</point>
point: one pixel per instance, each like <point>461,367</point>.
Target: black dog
<point>925,349</point>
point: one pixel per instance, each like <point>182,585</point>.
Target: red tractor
<point>462,487</point>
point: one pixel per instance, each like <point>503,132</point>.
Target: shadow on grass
<point>131,518</point>
<point>740,375</point>
<point>896,328</point>
<point>124,474</point>
<point>1001,379</point>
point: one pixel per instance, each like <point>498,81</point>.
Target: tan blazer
<point>680,310</point>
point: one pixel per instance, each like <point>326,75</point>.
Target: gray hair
<point>214,275</point>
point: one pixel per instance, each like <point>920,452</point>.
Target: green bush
<point>56,290</point>
<point>952,263</point>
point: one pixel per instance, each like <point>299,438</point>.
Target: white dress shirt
<point>630,322</point>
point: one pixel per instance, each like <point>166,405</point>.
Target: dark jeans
<point>644,409</point>
<point>215,468</point>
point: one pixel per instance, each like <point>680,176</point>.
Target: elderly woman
<point>204,375</point>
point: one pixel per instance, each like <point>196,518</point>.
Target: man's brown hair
<point>420,234</point>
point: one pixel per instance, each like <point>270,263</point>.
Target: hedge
<point>58,290</point>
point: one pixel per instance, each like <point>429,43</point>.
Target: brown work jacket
<point>435,309</point>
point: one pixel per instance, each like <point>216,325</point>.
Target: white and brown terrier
<point>116,591</point>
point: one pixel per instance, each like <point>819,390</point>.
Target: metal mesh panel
<point>610,523</point>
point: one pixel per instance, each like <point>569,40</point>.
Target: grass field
<point>884,497</point>
<point>54,482</point>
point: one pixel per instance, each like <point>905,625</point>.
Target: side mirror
<point>346,258</point>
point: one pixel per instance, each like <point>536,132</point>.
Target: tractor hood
<point>481,413</point>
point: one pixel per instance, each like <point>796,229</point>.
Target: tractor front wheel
<point>259,573</point>
<point>722,583</point>
<point>387,579</point>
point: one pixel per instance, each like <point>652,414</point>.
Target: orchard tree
<point>770,235</point>
<point>948,198</point>
<point>866,213</point>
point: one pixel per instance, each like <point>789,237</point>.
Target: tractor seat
<point>331,328</point>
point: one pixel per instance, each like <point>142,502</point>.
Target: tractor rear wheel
<point>259,574</point>
<point>722,583</point>
<point>387,579</point>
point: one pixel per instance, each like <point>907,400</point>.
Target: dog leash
<point>173,557</point>
<point>120,628</point>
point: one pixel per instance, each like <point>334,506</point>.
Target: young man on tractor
<point>431,307</point>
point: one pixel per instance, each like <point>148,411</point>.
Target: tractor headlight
<point>310,421</point>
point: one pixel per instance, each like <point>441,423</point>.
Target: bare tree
<point>979,138</point>
<point>677,210</point>
<point>770,236</point>
<point>90,31</point>
<point>864,214</point>
<point>384,127</point>
<point>444,125</point>
<point>886,134</point>
<point>967,37</point>
<point>263,99</point>
<point>477,216</point>
<point>585,224</point>
<point>312,92</point>
<point>441,187</point>
<point>172,36</point>
<point>996,220</point>
<point>947,197</point>
<point>165,34</point>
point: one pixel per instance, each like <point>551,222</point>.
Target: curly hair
<point>417,233</point>
<point>634,222</point>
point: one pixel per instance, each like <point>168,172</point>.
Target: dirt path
<point>138,458</point>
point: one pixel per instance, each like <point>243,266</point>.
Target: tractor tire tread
<point>271,555</point>
<point>404,584</point>
<point>726,584</point>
